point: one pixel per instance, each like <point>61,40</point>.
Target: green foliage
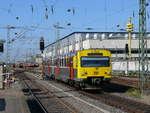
<point>134,92</point>
<point>118,74</point>
<point>123,74</point>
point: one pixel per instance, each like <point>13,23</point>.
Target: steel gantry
<point>9,41</point>
<point>143,57</point>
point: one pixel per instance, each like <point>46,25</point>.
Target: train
<point>23,65</point>
<point>84,68</point>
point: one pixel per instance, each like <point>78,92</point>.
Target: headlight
<point>108,73</point>
<point>83,73</point>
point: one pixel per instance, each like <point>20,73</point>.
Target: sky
<point>33,19</point>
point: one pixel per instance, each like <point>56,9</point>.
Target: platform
<point>12,100</point>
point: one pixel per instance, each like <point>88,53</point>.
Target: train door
<point>71,72</point>
<point>49,62</point>
<point>57,71</point>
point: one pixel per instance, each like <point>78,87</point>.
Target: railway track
<point>35,97</point>
<point>127,81</point>
<point>48,102</point>
<point>130,81</point>
<point>124,104</point>
<point>127,105</point>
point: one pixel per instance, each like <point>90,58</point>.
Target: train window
<point>53,62</point>
<point>50,62</point>
<point>70,61</point>
<point>65,62</point>
<point>59,62</point>
<point>95,62</point>
<point>62,62</point>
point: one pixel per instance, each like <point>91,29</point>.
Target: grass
<point>123,74</point>
<point>134,92</point>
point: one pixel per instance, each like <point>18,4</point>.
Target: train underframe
<point>87,83</point>
<point>92,82</point>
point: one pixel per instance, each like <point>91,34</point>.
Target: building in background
<point>34,59</point>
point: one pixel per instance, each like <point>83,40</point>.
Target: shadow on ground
<point>34,107</point>
<point>2,104</point>
<point>116,88</point>
<point>110,88</point>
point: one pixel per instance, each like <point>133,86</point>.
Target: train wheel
<point>52,77</point>
<point>82,85</point>
<point>71,82</point>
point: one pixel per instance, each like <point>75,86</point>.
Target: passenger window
<point>62,62</point>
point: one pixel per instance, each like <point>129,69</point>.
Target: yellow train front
<point>84,68</point>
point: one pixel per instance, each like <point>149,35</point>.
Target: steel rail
<point>60,101</point>
<point>122,103</point>
<point>128,105</point>
<point>49,93</point>
<point>35,97</point>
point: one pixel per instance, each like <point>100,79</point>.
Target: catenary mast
<point>143,57</point>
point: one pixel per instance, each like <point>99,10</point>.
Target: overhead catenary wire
<point>106,14</point>
<point>113,14</point>
<point>8,10</point>
<point>88,23</point>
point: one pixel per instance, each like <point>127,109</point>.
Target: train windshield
<point>94,61</point>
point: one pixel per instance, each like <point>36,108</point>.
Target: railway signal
<point>2,46</point>
<point>42,44</point>
<point>8,41</point>
<point>129,28</point>
<point>42,49</point>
